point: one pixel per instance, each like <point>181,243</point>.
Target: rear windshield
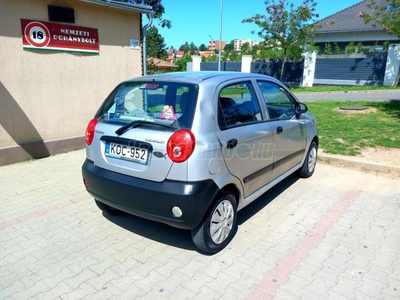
<point>165,103</point>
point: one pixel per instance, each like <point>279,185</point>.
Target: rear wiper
<point>138,123</point>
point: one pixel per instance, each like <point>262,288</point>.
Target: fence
<point>351,70</point>
<point>373,69</point>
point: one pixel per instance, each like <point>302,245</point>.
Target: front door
<point>289,132</point>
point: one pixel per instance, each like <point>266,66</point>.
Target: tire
<point>106,208</point>
<point>308,168</point>
<point>218,227</point>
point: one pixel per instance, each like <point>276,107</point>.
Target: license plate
<point>136,154</point>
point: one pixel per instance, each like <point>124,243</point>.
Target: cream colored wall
<point>49,96</point>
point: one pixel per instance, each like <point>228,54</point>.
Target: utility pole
<point>220,37</point>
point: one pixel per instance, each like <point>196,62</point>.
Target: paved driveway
<point>333,236</point>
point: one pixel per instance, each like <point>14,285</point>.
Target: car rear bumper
<point>148,199</point>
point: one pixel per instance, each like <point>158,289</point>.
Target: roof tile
<point>349,20</point>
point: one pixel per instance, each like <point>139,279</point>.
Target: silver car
<point>191,149</point>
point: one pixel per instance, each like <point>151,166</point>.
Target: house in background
<point>237,44</point>
<point>59,60</point>
<point>156,65</point>
<point>179,54</point>
<point>348,26</point>
<point>207,54</point>
<point>214,45</point>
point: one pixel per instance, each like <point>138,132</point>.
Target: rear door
<point>246,139</point>
<point>289,132</point>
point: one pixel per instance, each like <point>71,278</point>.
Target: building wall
<point>47,98</point>
<point>214,45</point>
<point>237,44</point>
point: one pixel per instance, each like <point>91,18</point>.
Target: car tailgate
<point>138,152</point>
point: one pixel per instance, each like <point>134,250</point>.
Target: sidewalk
<point>378,160</point>
<point>333,236</point>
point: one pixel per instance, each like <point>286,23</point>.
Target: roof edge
<point>338,12</point>
<point>144,9</point>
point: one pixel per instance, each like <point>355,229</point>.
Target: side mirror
<point>301,108</point>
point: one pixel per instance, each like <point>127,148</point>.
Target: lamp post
<point>220,36</point>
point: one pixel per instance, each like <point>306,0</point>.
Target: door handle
<point>279,129</point>
<point>231,143</point>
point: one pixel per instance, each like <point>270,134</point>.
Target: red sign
<point>38,35</point>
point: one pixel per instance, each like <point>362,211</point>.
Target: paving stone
<point>175,281</point>
<point>191,268</point>
<point>147,283</point>
<point>329,272</point>
<point>83,291</point>
<point>182,293</point>
<point>102,281</point>
<point>196,282</point>
<point>371,288</point>
<point>282,294</point>
<point>294,285</point>
<point>337,234</point>
<point>346,286</point>
<point>157,293</point>
<point>55,292</point>
<point>207,293</point>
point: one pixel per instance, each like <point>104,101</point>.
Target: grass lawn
<point>348,133</point>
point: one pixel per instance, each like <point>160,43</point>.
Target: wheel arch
<point>229,188</point>
<point>316,140</point>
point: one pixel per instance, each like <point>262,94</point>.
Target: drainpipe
<point>144,30</point>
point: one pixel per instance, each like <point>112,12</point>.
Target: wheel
<point>219,227</point>
<point>106,208</point>
<point>310,162</point>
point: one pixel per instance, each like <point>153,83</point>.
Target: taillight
<point>89,135</point>
<point>180,145</point>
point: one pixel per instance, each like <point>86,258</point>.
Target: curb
<point>353,162</point>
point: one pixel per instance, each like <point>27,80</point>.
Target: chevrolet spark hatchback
<point>191,149</point>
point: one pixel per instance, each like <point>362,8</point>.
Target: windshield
<point>164,103</point>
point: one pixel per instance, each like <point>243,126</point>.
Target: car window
<point>279,104</point>
<point>238,105</point>
<point>166,103</point>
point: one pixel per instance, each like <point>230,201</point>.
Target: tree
<point>185,47</point>
<point>233,56</point>
<point>230,47</point>
<point>245,50</point>
<point>157,7</point>
<point>387,16</point>
<point>286,27</point>
<point>193,49</point>
<point>351,48</point>
<point>360,48</point>
<point>182,62</point>
<point>155,46</point>
<point>337,49</point>
<point>328,49</point>
<point>203,47</point>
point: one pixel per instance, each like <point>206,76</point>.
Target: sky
<point>199,21</point>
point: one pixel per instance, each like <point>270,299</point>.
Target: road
<point>367,95</point>
<point>335,236</point>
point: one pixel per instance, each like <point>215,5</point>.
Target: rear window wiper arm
<point>137,123</point>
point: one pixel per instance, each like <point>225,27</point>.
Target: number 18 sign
<point>38,35</point>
